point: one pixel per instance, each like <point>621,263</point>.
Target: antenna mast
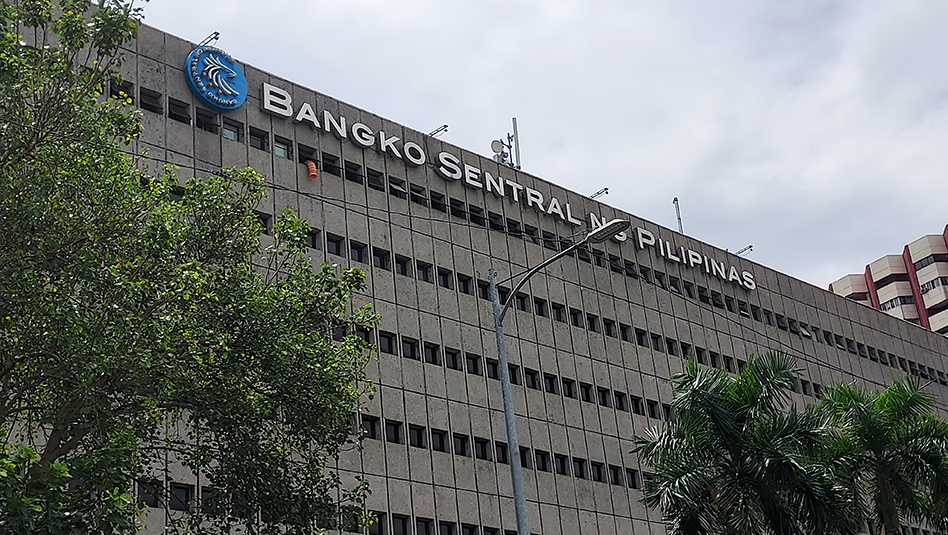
<point>678,213</point>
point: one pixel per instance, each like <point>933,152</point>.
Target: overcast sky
<point>816,131</point>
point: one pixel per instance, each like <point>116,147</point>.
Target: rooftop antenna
<point>603,191</point>
<point>678,213</point>
<point>745,250</point>
<point>512,145</point>
<point>210,39</point>
<point>438,131</point>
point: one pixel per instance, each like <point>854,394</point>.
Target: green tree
<point>735,459</point>
<point>893,451</point>
<point>137,331</point>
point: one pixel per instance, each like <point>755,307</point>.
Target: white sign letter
<point>277,101</point>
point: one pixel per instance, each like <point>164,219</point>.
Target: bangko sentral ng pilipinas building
<point>592,339</point>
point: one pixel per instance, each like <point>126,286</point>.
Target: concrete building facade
<point>912,286</point>
<point>592,340</point>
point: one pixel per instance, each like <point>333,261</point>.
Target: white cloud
<point>814,130</point>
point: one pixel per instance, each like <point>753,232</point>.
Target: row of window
<point>483,449</point>
<point>932,284</point>
<point>425,271</point>
<point>401,525</point>
<point>897,302</point>
<point>931,259</point>
<point>668,282</point>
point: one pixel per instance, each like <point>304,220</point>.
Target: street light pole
<point>500,310</point>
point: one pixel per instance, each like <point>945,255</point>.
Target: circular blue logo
<point>216,78</point>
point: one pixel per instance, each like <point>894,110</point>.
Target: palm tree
<point>735,460</point>
<point>893,451</point>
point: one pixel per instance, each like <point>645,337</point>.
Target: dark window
<point>559,312</point>
<point>465,284</point>
<point>513,228</point>
<point>495,221</point>
<point>424,526</point>
<point>562,464</point>
<point>282,147</point>
<point>625,332</point>
<point>500,449</point>
<point>671,346</point>
<point>182,496</point>
<point>387,342</point>
<point>458,208</point>
<point>477,215</point>
<point>446,528</point>
<point>569,388</point>
<point>473,363</point>
<point>579,468</point>
<point>605,399</point>
<point>432,353</point>
<point>401,525</point>
<point>525,458</point>
<point>259,139</point>
<point>150,100</point>
<point>211,502</point>
<point>358,251</point>
<point>483,290</point>
<point>416,436</point>
<point>232,130</point>
<point>353,172</point>
<point>641,337</point>
<point>469,529</point>
<point>652,407</point>
<point>377,527</point>
<point>206,120</point>
<point>531,378</point>
<point>370,426</point>
<point>402,265</point>
<point>609,328</point>
<point>149,492</point>
<point>592,322</point>
<point>514,372</point>
<point>621,403</point>
<point>397,187</point>
<point>424,271</point>
<point>452,358</point>
<point>549,240</point>
<point>381,258</point>
<point>632,478</point>
<point>550,383</point>
<point>520,301</point>
<point>445,278</point>
<point>331,164</point>
<point>335,244</point>
<point>418,194</point>
<point>179,111</point>
<point>266,221</point>
<point>122,91</point>
<point>375,179</point>
<point>438,202</point>
<point>530,234</point>
<point>539,307</point>
<point>585,392</point>
<point>462,445</point>
<point>576,317</point>
<point>393,431</point>
<point>543,461</point>
<point>410,348</point>
<point>482,448</point>
<point>615,475</point>
<point>598,471</point>
<point>637,407</point>
<point>313,239</point>
<point>493,368</point>
<point>439,440</point>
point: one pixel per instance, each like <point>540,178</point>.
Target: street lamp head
<point>608,230</point>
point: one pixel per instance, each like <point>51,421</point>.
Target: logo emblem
<point>216,78</point>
